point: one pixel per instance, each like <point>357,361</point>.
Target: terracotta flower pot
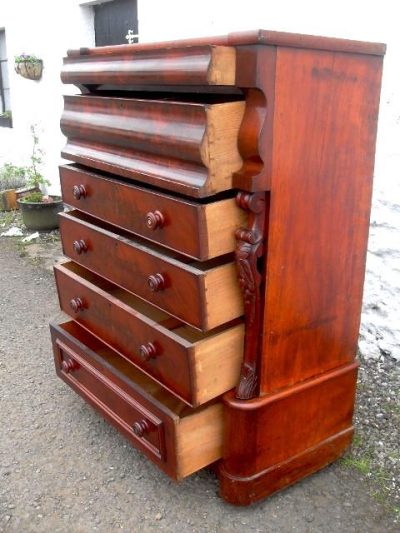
<point>8,200</point>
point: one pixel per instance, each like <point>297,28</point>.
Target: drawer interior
<point>184,331</point>
<point>194,366</point>
<point>193,437</point>
<point>192,291</point>
<point>126,372</point>
<point>202,266</point>
<point>168,95</point>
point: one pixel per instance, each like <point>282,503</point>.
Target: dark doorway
<point>113,20</point>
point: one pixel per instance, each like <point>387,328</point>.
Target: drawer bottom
<point>179,439</point>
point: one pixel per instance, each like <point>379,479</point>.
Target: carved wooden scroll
<point>249,248</point>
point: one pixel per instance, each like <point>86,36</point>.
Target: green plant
<point>362,464</point>
<point>6,114</point>
<point>36,197</point>
<point>34,177</point>
<point>27,58</point>
<point>12,176</point>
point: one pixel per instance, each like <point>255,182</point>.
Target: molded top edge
<point>264,37</point>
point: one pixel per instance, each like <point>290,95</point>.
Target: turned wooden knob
<point>141,427</point>
<point>76,304</point>
<point>80,246</point>
<point>147,351</point>
<point>79,191</point>
<point>69,365</point>
<point>154,220</point>
<point>156,282</point>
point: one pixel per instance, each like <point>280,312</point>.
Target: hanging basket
<point>30,70</point>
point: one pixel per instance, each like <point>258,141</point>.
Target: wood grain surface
<point>186,147</point>
<point>326,109</point>
<point>195,367</point>
<point>204,295</point>
<point>179,440</point>
<point>194,65</point>
<point>199,230</point>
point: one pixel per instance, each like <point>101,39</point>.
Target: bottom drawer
<point>180,440</point>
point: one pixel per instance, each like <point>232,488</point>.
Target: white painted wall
<point>47,28</point>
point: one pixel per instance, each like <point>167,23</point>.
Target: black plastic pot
<point>41,216</point>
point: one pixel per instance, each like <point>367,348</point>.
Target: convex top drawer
<point>124,66</point>
<point>187,146</point>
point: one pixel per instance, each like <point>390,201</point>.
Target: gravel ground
<point>63,469</point>
<point>376,448</point>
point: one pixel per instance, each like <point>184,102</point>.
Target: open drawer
<point>178,439</point>
<point>194,366</point>
<point>203,295</point>
<point>202,230</point>
<point>187,146</point>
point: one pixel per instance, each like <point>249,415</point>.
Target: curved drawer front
<point>202,297</point>
<point>190,148</point>
<point>124,66</point>
<point>193,366</point>
<point>178,439</point>
<point>201,231</point>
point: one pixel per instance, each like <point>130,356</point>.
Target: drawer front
<point>191,148</point>
<point>192,295</point>
<point>178,439</point>
<point>131,334</point>
<point>125,66</point>
<point>180,359</point>
<point>199,231</point>
<point>124,411</point>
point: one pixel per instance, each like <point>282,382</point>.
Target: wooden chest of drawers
<point>220,195</point>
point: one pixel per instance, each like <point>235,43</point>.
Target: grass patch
<point>21,247</point>
<point>7,218</point>
<point>362,464</point>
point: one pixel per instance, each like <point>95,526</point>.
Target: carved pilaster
<point>249,248</point>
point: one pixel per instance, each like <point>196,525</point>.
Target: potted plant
<point>29,66</point>
<point>12,178</point>
<point>39,211</point>
<point>6,119</point>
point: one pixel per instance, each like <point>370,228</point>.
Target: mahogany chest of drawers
<point>220,194</point>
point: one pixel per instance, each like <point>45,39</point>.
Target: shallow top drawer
<point>124,66</point>
<point>199,230</point>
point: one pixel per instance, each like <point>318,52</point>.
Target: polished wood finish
<point>320,207</point>
<point>199,230</point>
<point>200,294</point>
<point>186,147</point>
<point>291,131</point>
<point>195,65</point>
<point>250,248</point>
<point>255,37</point>
<point>320,182</point>
<point>195,367</point>
<point>274,440</point>
<point>178,439</point>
